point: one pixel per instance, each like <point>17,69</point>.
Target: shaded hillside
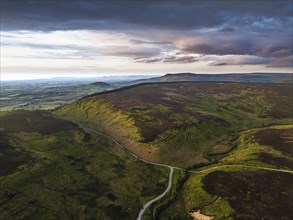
<point>182,123</point>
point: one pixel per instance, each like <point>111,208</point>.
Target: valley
<point>182,124</point>
<point>174,148</point>
<point>146,110</point>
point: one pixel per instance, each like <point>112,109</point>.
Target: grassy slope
<point>57,171</point>
<point>183,123</point>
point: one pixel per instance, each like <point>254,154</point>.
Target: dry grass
<point>199,216</point>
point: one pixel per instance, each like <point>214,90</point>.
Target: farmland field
<point>46,94</point>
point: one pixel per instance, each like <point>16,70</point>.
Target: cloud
<point>182,59</point>
<point>219,64</point>
<point>48,15</point>
<point>42,46</point>
<point>171,59</point>
<point>240,46</point>
<point>227,29</point>
<point>238,60</point>
<point>282,62</point>
<point>150,60</point>
<point>216,49</point>
<point>150,42</point>
<point>69,51</point>
<point>275,51</point>
<point>132,52</point>
<point>133,34</point>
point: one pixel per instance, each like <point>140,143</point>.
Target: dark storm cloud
<point>95,15</point>
<point>227,29</point>
<point>258,31</point>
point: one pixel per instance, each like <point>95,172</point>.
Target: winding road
<point>141,159</point>
<point>142,211</point>
<point>158,197</point>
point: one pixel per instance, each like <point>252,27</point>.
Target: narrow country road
<point>143,160</point>
<point>158,197</point>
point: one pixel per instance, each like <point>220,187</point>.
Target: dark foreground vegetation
<point>51,169</point>
<point>253,194</point>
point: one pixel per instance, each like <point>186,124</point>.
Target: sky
<point>57,38</point>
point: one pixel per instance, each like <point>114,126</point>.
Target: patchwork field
<point>51,169</point>
<point>46,94</point>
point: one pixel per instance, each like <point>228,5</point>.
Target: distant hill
<point>235,77</point>
<point>91,88</point>
<point>100,84</point>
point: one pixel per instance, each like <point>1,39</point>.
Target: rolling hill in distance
<point>51,93</point>
<point>231,77</point>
